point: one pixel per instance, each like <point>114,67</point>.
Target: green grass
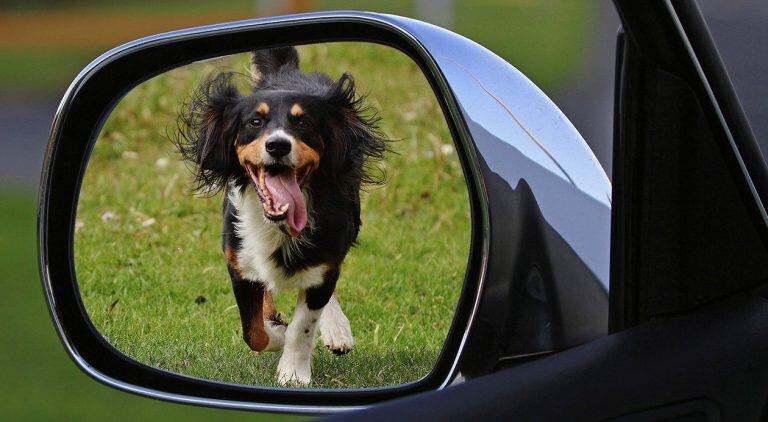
<point>546,40</point>
<point>39,381</point>
<point>142,283</point>
<point>41,72</point>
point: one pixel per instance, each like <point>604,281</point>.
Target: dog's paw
<point>276,318</point>
<point>336,332</point>
<point>293,372</point>
<point>275,329</point>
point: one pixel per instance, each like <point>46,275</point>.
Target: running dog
<point>291,157</point>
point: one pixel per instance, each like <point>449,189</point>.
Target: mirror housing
<point>537,276</point>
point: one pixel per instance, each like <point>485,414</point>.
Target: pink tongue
<point>285,190</point>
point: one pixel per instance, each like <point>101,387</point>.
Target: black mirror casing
<point>537,273</point>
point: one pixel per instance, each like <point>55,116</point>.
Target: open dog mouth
<point>279,188</point>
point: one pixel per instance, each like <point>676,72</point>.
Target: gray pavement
<point>25,123</point>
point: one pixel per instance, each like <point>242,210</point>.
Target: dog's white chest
<point>260,238</point>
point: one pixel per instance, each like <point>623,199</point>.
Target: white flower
<point>161,163</point>
<point>446,149</point>
<point>109,215</point>
<point>148,222</point>
<point>410,115</point>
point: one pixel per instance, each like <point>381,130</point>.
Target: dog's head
<point>293,131</point>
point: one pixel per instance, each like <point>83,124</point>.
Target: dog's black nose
<point>278,147</point>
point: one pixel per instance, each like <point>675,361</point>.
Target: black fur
<point>205,122</point>
<point>270,62</point>
<point>318,296</point>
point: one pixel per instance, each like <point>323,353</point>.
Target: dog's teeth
<point>284,208</point>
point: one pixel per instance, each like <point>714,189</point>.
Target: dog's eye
<point>303,124</point>
<point>256,122</point>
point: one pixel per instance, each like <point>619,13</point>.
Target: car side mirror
<point>537,271</point>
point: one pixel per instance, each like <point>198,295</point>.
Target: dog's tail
<point>273,60</point>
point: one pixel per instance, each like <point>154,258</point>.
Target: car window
<point>741,34</point>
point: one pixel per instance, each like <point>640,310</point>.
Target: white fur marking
<point>335,329</point>
<point>260,238</point>
<point>279,133</point>
<point>276,333</point>
<point>295,366</point>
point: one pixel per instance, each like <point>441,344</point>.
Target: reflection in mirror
<point>284,287</point>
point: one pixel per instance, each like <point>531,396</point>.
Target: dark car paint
<point>709,365</point>
<point>690,186</point>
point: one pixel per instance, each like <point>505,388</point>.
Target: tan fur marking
<point>251,152</point>
<point>263,109</point>
<point>307,155</point>
<point>269,305</point>
<point>257,338</point>
<point>231,257</point>
<point>296,110</point>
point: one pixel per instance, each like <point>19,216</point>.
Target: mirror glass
<point>290,217</point>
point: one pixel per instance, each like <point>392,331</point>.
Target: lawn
<point>153,278</point>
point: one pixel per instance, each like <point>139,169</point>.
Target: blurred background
<point>565,46</point>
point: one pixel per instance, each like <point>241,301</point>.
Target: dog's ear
<point>267,62</point>
<point>356,142</point>
<point>206,131</point>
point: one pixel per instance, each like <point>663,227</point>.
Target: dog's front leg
<point>261,332</point>
<point>295,366</point>
<point>335,329</point>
